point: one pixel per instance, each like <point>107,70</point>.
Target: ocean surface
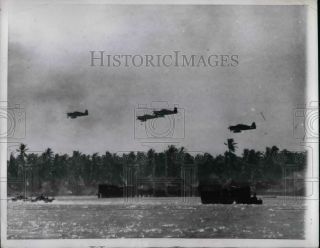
<point>87,217</point>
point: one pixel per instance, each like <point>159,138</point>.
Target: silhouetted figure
<point>254,198</point>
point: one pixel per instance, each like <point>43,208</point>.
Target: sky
<point>50,75</point>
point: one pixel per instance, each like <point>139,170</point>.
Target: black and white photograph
<point>149,124</point>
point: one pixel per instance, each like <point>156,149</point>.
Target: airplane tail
<point>86,112</point>
<point>253,125</point>
<point>175,110</point>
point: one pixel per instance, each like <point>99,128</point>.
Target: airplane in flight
<point>157,114</point>
<point>164,112</point>
<point>77,114</point>
<point>242,127</point>
<point>144,118</point>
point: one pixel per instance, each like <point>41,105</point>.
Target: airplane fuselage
<point>157,114</point>
<point>242,127</point>
<point>76,114</point>
<point>164,112</point>
<point>147,117</point>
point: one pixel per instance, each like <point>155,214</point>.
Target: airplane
<point>158,114</point>
<point>241,127</point>
<point>76,114</point>
<point>147,117</point>
<point>164,112</point>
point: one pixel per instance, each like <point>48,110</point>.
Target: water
<point>89,218</point>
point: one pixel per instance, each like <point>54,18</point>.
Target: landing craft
<point>76,114</point>
<point>164,112</point>
<point>242,127</point>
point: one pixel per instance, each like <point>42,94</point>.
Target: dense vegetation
<point>81,173</point>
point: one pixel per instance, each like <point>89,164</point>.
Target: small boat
<point>219,194</point>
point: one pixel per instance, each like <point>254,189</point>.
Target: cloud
<point>49,72</point>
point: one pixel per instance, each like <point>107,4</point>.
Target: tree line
<point>81,173</point>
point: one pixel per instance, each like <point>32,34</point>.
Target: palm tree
<point>32,165</point>
<point>232,146</point>
<point>12,168</point>
<point>230,157</point>
<point>171,163</point>
<point>22,153</point>
<point>22,163</point>
<point>150,170</point>
<point>46,166</point>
